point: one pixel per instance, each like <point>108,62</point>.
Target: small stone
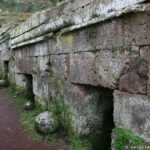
<point>16,93</point>
<point>2,83</point>
<point>46,122</point>
<point>28,106</point>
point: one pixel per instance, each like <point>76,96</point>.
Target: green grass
<point>125,137</point>
<point>79,144</point>
<point>27,118</point>
<point>27,121</point>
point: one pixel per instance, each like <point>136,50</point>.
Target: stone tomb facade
<point>91,55</point>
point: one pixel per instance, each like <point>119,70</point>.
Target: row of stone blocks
<point>93,70</point>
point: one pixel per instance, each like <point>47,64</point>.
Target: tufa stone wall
<point>93,56</point>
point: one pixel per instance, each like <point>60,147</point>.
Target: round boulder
<point>46,122</point>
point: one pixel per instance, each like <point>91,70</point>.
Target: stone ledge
<point>75,20</point>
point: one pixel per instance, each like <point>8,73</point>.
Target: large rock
<point>89,107</point>
<point>46,122</point>
<point>96,68</point>
<point>145,55</point>
<point>132,111</point>
<point>134,78</point>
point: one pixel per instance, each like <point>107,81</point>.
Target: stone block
<point>133,83</point>
<point>135,76</point>
<point>20,80</point>
<point>42,63</point>
<point>120,31</point>
<point>82,68</point>
<point>40,84</point>
<point>96,68</point>
<point>88,106</point>
<point>145,53</point>
<point>148,84</point>
<point>60,65</point>
<point>24,65</point>
<point>132,111</point>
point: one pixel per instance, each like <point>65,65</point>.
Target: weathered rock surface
<point>132,111</point>
<point>76,50</point>
<point>46,122</point>
<point>89,107</point>
<point>74,17</point>
<point>145,55</point>
<point>135,77</point>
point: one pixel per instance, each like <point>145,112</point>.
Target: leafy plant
<point>57,106</point>
<point>94,49</point>
<point>127,47</point>
<point>79,144</point>
<point>122,48</point>
<point>114,48</point>
<point>125,137</point>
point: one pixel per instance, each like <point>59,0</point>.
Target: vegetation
<point>79,144</point>
<point>27,119</point>
<point>94,50</point>
<point>122,48</point>
<point>91,34</point>
<point>125,137</point>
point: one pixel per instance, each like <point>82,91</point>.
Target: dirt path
<point>12,136</point>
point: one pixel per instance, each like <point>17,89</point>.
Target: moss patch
<point>125,137</point>
<point>68,38</point>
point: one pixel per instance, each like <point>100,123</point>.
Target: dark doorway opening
<point>103,140</point>
<point>6,72</point>
<point>6,67</point>
<point>29,87</point>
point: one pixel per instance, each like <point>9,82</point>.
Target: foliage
<point>79,144</point>
<point>125,137</point>
<point>57,106</point>
<point>21,91</point>
<point>91,33</point>
<point>27,120</point>
<point>122,48</point>
<point>94,49</point>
